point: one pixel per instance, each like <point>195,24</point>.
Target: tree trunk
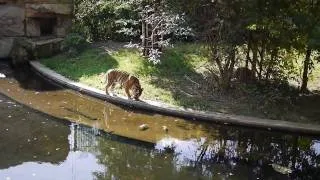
<point>254,59</point>
<point>227,71</point>
<point>261,53</point>
<point>306,67</point>
<point>248,56</point>
<point>143,38</point>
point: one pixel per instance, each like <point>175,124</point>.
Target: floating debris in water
<point>2,75</point>
<point>143,127</point>
<point>165,128</point>
<point>281,169</point>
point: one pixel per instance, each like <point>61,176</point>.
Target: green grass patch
<point>160,82</point>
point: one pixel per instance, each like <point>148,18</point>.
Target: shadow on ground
<point>177,74</point>
<point>309,106</point>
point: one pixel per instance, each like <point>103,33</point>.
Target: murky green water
<point>37,146</point>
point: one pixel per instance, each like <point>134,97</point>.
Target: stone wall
<point>32,19</point>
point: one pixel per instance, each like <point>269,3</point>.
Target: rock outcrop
<point>11,20</point>
<point>31,22</point>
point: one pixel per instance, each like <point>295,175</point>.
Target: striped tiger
<point>126,80</point>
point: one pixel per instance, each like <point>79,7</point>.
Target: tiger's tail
<point>105,76</point>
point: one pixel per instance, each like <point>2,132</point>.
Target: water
<point>39,146</point>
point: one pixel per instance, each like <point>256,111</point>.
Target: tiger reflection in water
<point>126,80</point>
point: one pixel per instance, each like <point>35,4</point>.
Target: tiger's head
<point>137,91</point>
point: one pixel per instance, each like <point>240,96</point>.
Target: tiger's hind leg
<point>113,85</point>
<point>110,83</point>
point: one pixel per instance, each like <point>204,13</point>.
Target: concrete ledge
<point>221,118</point>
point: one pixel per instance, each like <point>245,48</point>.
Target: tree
<point>107,19</point>
<point>266,30</point>
<point>306,20</point>
<point>159,26</point>
<point>222,26</point>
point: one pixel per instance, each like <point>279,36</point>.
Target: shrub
<point>107,19</point>
<point>73,44</point>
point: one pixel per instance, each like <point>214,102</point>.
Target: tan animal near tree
<point>126,80</point>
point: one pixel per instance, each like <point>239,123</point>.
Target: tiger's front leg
<point>107,87</point>
<point>127,92</point>
<point>126,89</point>
<point>112,85</point>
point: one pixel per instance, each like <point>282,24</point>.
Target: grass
<point>178,80</point>
<point>157,80</point>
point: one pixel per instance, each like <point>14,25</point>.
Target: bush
<point>107,19</point>
<point>73,44</point>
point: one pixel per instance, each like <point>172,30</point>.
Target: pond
<point>102,141</point>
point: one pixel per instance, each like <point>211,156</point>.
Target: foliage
<point>266,36</point>
<point>73,43</point>
<point>107,19</point>
<point>121,21</point>
<point>159,26</point>
<point>265,31</point>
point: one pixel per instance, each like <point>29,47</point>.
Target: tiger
<point>244,75</point>
<point>126,80</point>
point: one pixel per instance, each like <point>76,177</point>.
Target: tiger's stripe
<point>126,80</point>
